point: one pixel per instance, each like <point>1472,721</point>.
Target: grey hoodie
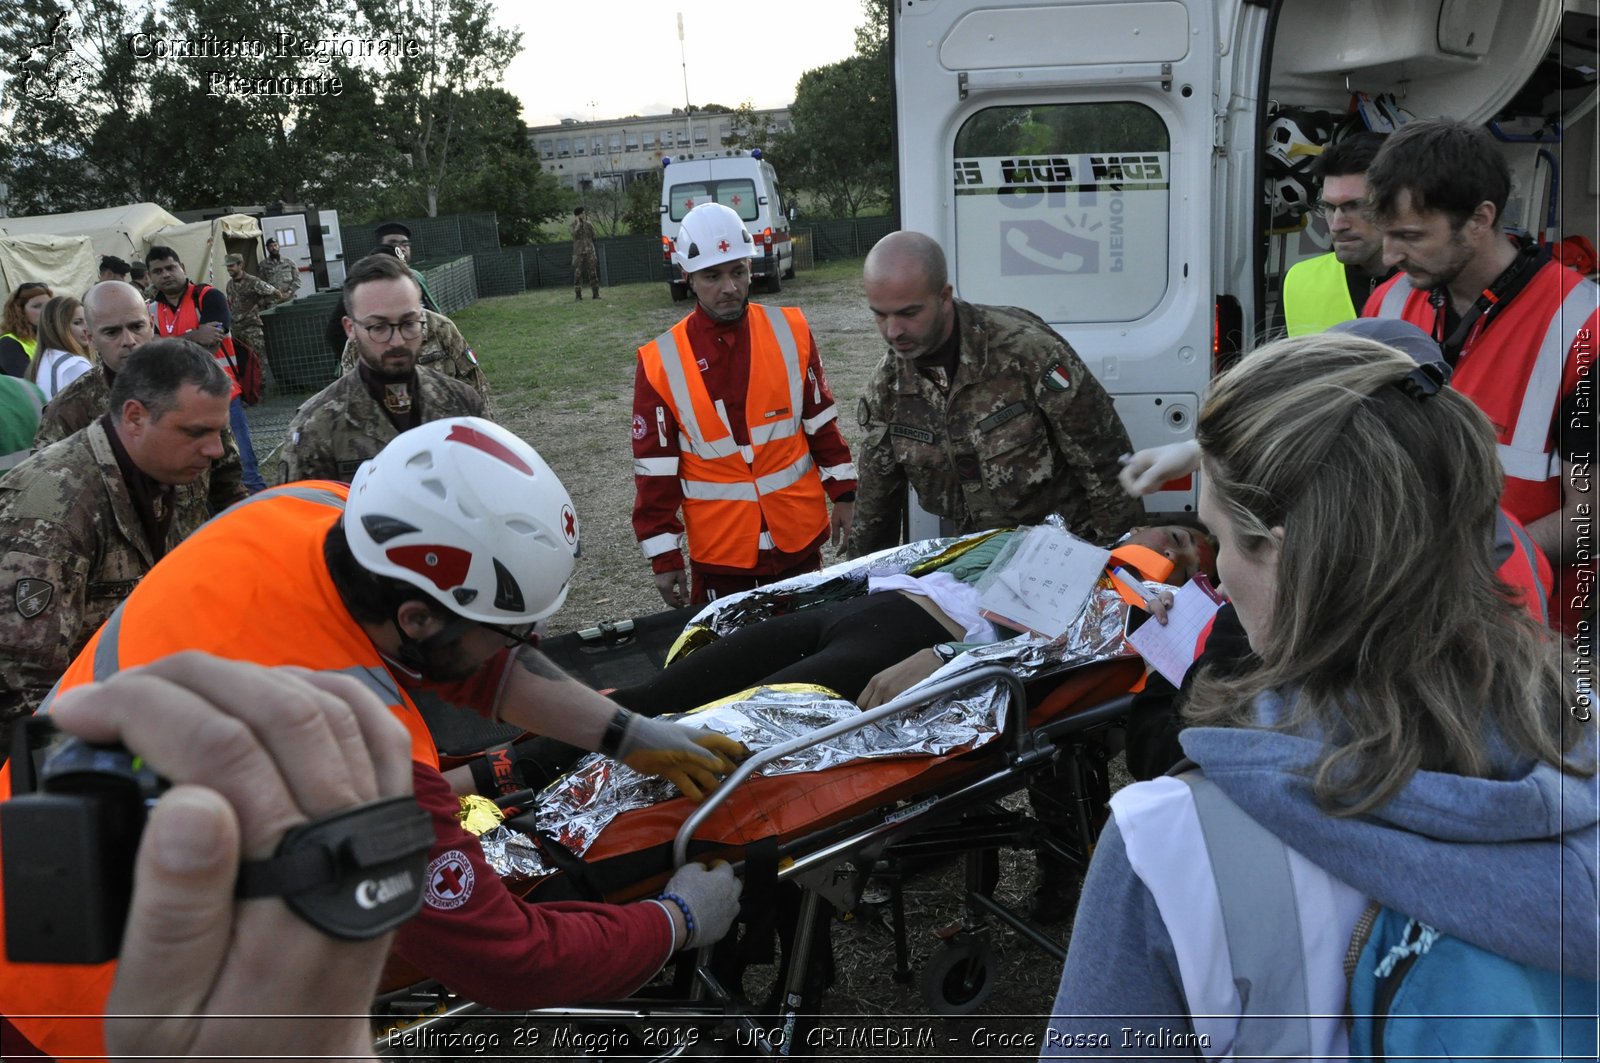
<point>1508,864</point>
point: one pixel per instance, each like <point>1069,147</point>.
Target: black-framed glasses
<point>382,331</point>
<point>520,635</point>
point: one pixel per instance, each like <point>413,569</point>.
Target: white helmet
<point>711,235</point>
<point>469,514</point>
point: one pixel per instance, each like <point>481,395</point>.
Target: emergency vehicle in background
<point>744,181</point>
<point>1136,172</point>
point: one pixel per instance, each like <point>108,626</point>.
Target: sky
<point>613,58</point>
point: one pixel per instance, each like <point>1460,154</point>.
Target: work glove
<point>690,758</point>
<point>708,899</point>
<point>1145,472</point>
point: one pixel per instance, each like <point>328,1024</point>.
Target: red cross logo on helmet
<point>569,524</point>
<point>722,245</point>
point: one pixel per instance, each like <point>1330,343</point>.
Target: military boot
<point>578,293</point>
<point>597,291</point>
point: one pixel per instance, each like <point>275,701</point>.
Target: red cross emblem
<point>450,878</point>
<point>569,524</point>
<point>736,201</point>
<point>688,203</point>
<point>722,245</point>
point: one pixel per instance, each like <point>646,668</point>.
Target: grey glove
<point>691,758</point>
<point>708,899</point>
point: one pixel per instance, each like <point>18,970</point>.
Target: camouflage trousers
<point>585,268</point>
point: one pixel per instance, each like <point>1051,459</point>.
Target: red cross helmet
<point>711,235</point>
<point>470,515</point>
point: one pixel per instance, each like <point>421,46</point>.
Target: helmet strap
<point>419,655</point>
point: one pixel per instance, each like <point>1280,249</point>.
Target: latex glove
<point>673,588</point>
<point>712,897</point>
<point>1145,472</point>
<point>690,758</point>
<point>844,514</point>
<point>898,678</point>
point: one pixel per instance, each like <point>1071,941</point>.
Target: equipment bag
<point>1418,993</point>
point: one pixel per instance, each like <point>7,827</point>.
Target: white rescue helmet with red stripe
<point>468,513</point>
<point>711,235</point>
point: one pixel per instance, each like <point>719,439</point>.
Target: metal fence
<point>432,239</point>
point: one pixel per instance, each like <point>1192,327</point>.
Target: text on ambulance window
<point>1063,209</point>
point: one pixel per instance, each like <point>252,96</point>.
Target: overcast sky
<point>612,58</point>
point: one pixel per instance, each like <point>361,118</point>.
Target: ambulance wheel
<point>958,978</point>
<point>773,283</point>
<point>679,289</point>
<point>788,274</point>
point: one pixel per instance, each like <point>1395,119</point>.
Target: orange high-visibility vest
<point>185,319</point>
<point>250,585</point>
<point>730,490</point>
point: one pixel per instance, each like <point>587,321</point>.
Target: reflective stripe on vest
<point>1394,300</point>
<point>186,318</point>
<point>1517,563</point>
<point>1316,295</point>
<point>730,490</point>
<point>1528,456</point>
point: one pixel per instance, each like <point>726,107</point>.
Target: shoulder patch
<point>864,412</point>
<point>450,877</point>
<point>33,597</point>
<point>1056,379</point>
<point>906,431</point>
<point>640,429</point>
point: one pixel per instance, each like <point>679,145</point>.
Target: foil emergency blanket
<point>576,809</point>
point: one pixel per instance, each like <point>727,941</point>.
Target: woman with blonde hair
<point>63,354</point>
<point>1409,734</point>
<point>19,326</point>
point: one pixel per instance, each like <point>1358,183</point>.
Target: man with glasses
<point>1323,291</point>
<point>386,392</point>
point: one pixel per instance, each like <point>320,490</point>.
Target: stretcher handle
<point>922,696</point>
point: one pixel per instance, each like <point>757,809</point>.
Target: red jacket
<point>281,607</point>
<point>723,350</point>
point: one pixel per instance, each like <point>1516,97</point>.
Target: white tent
<point>130,231</point>
<point>68,264</point>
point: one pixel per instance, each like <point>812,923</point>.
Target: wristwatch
<point>946,652</point>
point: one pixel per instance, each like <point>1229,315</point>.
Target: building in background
<point>586,155</point>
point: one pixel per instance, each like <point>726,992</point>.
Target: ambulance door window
<point>1063,209</point>
<point>687,196</point>
<point>739,194</point>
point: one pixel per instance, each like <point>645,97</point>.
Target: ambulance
<point>739,179</point>
<point>1136,172</point>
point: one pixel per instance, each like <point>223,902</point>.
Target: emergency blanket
<point>603,810</point>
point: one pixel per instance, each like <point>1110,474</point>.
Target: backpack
<point>1418,993</point>
<point>247,371</point>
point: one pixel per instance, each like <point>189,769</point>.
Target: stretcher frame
<point>811,862</point>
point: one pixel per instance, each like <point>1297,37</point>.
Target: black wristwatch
<point>611,741</point>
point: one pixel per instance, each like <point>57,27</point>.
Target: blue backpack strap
<point>1259,911</point>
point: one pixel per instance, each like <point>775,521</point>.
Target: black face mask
<point>435,658</point>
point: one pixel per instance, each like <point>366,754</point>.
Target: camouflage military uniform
<point>74,548</point>
<point>281,274</point>
<point>247,297</point>
<point>1024,431</point>
<point>89,397</point>
<point>342,425</point>
<point>584,262</point>
<point>443,349</point>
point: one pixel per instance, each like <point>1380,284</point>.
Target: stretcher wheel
<point>958,978</point>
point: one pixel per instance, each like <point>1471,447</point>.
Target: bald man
<point>985,410</point>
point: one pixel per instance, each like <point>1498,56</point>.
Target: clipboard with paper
<point>1041,580</point>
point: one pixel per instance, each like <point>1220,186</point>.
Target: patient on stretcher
<point>871,647</point>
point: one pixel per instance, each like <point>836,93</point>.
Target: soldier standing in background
<point>280,272</point>
<point>247,297</point>
<point>584,262</point>
<point>985,410</point>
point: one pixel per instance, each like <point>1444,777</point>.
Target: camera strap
<point>354,874</point>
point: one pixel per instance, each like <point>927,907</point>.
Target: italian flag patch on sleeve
<point>1056,379</point>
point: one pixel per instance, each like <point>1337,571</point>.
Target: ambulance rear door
<point>1061,151</point>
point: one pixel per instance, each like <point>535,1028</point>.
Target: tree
<point>641,213</point>
<point>838,151</point>
<point>498,170</point>
<point>424,88</point>
<point>751,130</point>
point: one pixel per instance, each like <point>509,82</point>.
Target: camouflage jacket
<point>444,349</point>
<point>281,274</point>
<point>74,548</point>
<point>1024,431</point>
<point>247,297</point>
<point>582,236</point>
<point>342,425</point>
<point>89,397</point>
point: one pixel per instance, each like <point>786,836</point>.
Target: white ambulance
<point>1133,171</point>
<point>739,179</point>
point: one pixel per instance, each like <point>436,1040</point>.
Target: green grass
<point>544,347</point>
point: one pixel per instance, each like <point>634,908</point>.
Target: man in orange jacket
<point>430,568</point>
<point>734,426</point>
